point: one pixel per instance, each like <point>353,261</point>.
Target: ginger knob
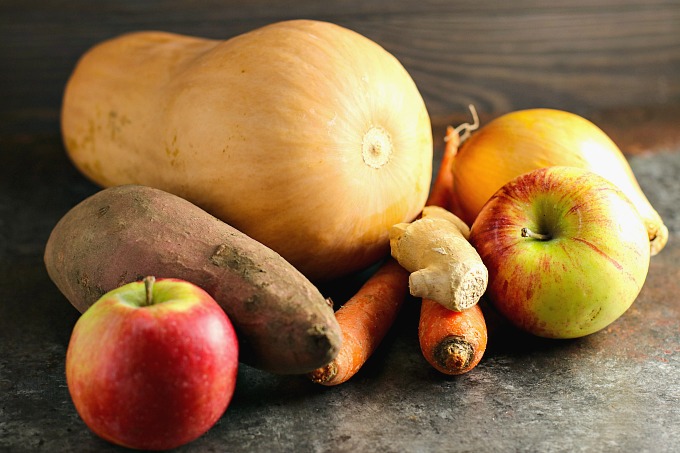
<point>444,266</point>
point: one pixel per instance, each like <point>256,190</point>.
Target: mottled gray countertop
<point>617,390</point>
<point>615,62</point>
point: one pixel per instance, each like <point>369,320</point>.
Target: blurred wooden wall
<point>587,56</point>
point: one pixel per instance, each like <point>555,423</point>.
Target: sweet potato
<point>122,234</point>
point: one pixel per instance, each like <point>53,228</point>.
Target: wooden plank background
<point>581,55</point>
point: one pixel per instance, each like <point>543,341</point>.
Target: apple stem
<point>527,233</point>
<point>148,286</point>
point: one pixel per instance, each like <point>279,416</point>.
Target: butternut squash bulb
<point>304,135</point>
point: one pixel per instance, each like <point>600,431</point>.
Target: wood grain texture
<point>579,55</point>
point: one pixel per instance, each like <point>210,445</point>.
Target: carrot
<point>442,190</point>
<point>453,342</point>
<point>364,320</point>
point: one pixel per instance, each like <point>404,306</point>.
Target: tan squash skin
<point>281,132</point>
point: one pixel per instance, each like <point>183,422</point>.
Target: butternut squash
<point>304,135</point>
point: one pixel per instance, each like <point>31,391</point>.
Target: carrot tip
<point>454,354</point>
<point>324,374</point>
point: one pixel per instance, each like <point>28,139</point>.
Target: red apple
<point>566,251</point>
<point>152,365</point>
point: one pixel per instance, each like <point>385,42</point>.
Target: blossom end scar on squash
<point>376,147</point>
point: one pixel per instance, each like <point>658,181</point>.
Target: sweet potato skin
<point>124,233</point>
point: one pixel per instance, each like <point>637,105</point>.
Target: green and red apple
<point>566,251</point>
<point>152,365</point>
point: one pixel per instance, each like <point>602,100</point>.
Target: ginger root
<point>444,266</point>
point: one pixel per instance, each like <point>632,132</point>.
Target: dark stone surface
<point>617,390</point>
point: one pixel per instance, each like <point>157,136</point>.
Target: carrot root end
<point>324,374</point>
<point>454,354</point>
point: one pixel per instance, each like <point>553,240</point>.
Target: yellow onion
<point>524,140</point>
